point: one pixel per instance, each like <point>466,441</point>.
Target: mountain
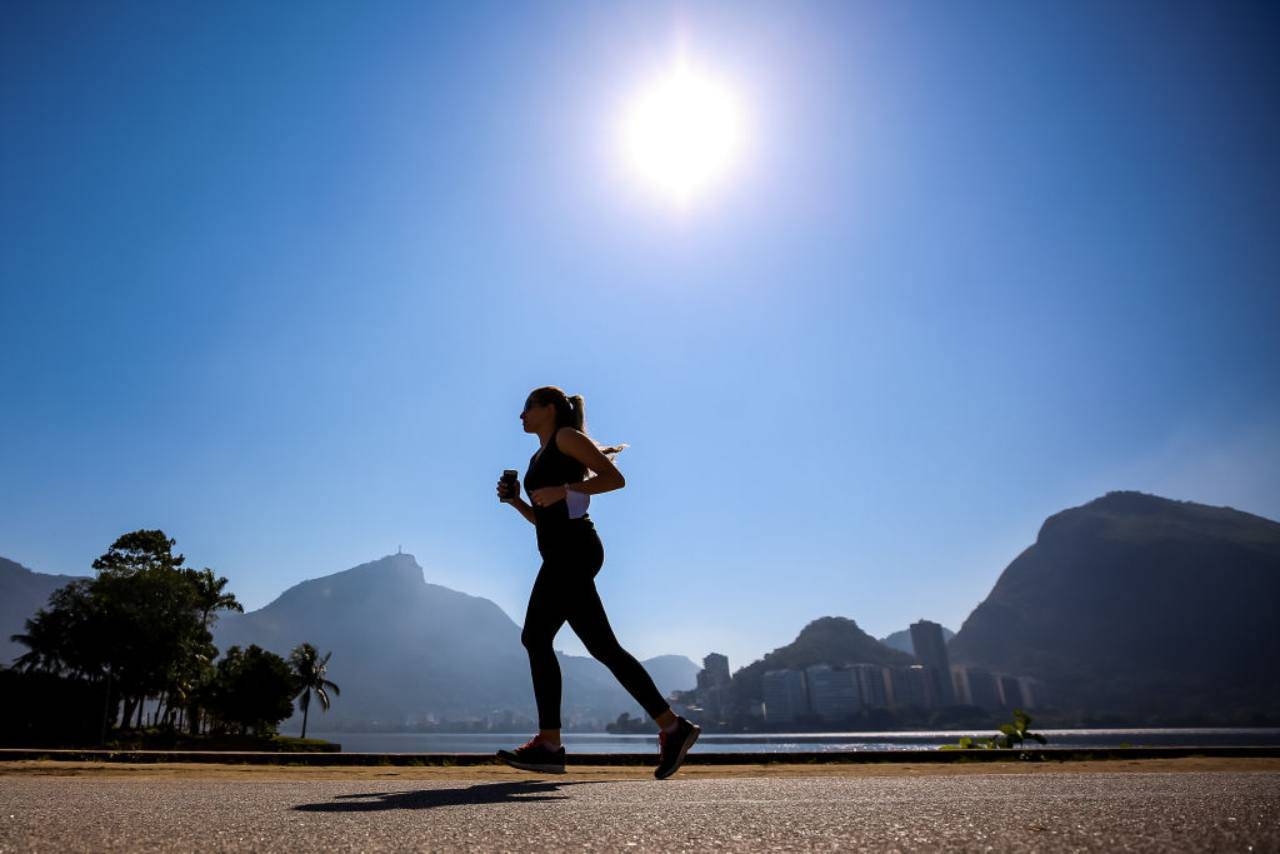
<point>827,640</point>
<point>22,593</point>
<point>404,649</point>
<point>901,640</point>
<point>670,672</point>
<point>1141,607</point>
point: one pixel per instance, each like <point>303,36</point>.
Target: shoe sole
<point>529,766</point>
<point>688,742</point>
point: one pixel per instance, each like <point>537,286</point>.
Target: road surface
<point>463,809</point>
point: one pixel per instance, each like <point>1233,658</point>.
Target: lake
<point>413,742</point>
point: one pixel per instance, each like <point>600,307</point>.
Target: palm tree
<point>209,595</point>
<point>309,669</point>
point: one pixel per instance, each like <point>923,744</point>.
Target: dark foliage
<point>253,689</point>
<point>49,710</point>
<point>141,623</point>
<point>309,671</point>
<point>139,629</point>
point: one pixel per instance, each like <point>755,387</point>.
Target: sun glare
<point>683,133</point>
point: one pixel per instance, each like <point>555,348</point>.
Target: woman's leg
<point>586,617</point>
<point>543,618</point>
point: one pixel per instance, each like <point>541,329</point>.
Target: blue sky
<point>276,278</point>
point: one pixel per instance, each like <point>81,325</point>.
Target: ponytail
<point>577,412</point>
<point>571,411</point>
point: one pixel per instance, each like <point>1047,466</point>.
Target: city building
<point>931,650</point>
<point>833,692</point>
<point>1010,692</point>
<point>1033,693</point>
<point>715,670</point>
<point>871,685</point>
<point>976,687</point>
<point>911,687</point>
<point>786,697</point>
<point>712,692</point>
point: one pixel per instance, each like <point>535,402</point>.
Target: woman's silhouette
<point>565,591</point>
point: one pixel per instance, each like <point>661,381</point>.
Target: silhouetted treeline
<point>48,709</point>
<point>138,633</point>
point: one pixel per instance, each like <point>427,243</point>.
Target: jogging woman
<point>565,591</point>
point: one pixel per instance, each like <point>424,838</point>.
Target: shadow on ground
<point>522,791</point>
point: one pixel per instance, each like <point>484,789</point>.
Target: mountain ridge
<point>25,591</point>
<point>1130,604</point>
<point>1141,607</point>
<point>404,649</point>
<point>410,650</point>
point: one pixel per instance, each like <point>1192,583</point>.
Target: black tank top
<point>553,467</point>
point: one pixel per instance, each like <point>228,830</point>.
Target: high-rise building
<point>785,696</point>
<point>716,666</point>
<point>833,692</point>
<point>977,687</point>
<point>871,685</point>
<point>1033,694</point>
<point>1010,692</point>
<point>713,685</point>
<point>931,650</point>
<point>911,687</point>
<point>960,685</point>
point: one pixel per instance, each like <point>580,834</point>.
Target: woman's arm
<point>517,502</point>
<point>574,443</point>
<point>525,510</point>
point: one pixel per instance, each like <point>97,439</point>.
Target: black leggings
<point>565,590</point>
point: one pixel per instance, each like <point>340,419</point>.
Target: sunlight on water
<point>409,742</point>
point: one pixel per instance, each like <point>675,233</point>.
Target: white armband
<point>577,502</point>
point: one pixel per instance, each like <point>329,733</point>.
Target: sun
<point>682,134</point>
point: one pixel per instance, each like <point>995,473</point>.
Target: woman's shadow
<point>521,791</point>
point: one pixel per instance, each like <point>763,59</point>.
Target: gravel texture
<point>1182,811</point>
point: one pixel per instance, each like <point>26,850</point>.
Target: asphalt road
<point>1216,811</point>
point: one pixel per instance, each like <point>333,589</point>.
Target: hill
<point>827,640</point>
<point>22,593</point>
<point>405,650</point>
<point>1143,608</point>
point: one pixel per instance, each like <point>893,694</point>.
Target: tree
<point>308,671</point>
<point>141,626</point>
<point>253,689</point>
<point>138,551</point>
<point>210,597</point>
<point>64,637</point>
<point>69,638</point>
<point>150,620</point>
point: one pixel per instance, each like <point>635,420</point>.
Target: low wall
<point>1037,754</point>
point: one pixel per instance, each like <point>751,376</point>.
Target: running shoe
<point>673,747</point>
<point>533,755</point>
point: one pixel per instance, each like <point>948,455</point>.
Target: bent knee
<point>535,641</point>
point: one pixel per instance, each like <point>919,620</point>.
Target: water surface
<point>413,742</point>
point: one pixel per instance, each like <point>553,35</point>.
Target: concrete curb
<point>1060,754</point>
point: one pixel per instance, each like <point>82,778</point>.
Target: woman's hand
<point>547,495</point>
<point>574,443</point>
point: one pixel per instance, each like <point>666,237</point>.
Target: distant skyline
<point>277,281</point>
